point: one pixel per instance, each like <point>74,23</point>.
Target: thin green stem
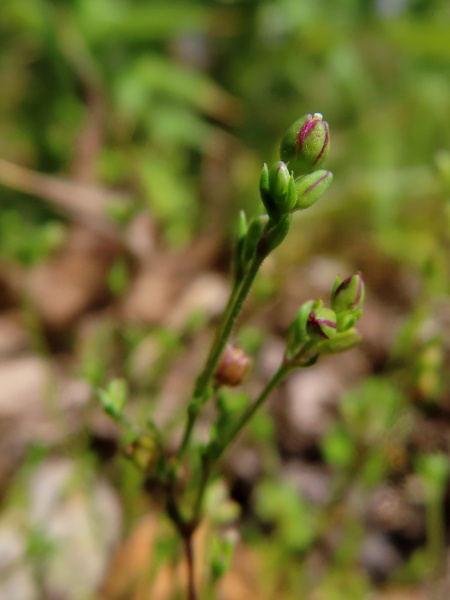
<point>186,529</point>
<point>283,370</point>
<point>195,405</point>
<point>234,307</point>
<point>210,461</point>
<point>237,301</point>
<point>193,410</point>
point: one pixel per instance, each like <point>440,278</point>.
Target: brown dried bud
<point>233,367</point>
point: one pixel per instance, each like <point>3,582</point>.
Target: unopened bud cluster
<point>320,330</point>
<point>296,182</point>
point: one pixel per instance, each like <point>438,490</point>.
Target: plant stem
<point>234,307</point>
<point>186,530</point>
<point>225,330</point>
<point>189,551</point>
<point>194,406</point>
<point>209,462</point>
<point>276,379</point>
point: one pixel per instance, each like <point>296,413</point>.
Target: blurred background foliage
<point>111,109</point>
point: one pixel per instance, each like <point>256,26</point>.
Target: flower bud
<point>277,190</point>
<point>306,144</point>
<point>233,367</point>
<point>310,188</point>
<point>321,324</point>
<point>348,294</point>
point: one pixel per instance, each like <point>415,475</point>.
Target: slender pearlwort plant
<point>294,183</point>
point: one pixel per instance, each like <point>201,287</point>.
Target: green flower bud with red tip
<point>310,188</point>
<point>348,295</point>
<point>321,324</point>
<point>306,144</point>
<point>277,190</point>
